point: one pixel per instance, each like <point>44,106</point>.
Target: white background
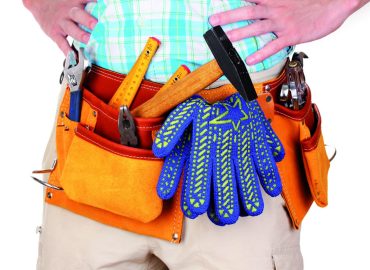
<point>338,73</point>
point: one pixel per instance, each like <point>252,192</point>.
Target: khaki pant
<point>72,242</point>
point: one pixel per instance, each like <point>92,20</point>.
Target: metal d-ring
<point>46,184</point>
<point>334,154</point>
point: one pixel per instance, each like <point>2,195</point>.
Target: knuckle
<point>73,12</point>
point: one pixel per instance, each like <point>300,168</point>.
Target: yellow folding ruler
<point>181,72</point>
<point>126,92</point>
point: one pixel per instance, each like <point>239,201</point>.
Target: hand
<point>230,151</point>
<point>60,18</point>
<point>292,21</point>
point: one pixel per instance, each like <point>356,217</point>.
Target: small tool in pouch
<point>127,90</point>
<point>126,127</point>
<point>74,72</point>
<point>293,94</point>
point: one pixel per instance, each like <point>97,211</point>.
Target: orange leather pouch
<point>304,169</point>
<point>94,169</point>
<point>315,159</point>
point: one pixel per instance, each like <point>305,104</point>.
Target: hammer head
<point>230,62</point>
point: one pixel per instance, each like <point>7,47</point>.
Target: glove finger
<point>174,126</point>
<point>225,187</point>
<point>265,165</point>
<point>184,195</point>
<point>211,213</point>
<point>200,166</point>
<point>272,139</point>
<point>246,175</point>
<point>172,168</point>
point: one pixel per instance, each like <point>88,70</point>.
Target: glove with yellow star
<point>227,150</point>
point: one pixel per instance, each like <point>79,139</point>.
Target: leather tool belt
<point>97,177</point>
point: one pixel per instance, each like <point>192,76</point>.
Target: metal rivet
<point>50,195</point>
<point>175,236</point>
<point>94,113</point>
<point>267,87</point>
<point>87,127</point>
<point>66,128</point>
<point>268,98</point>
<point>293,64</point>
<point>62,114</point>
<point>270,120</point>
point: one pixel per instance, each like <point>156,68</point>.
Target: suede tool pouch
<point>97,171</point>
<point>315,159</point>
<point>112,177</point>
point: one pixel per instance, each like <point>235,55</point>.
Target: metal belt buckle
<point>293,94</point>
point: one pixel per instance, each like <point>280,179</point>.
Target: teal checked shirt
<point>124,26</point>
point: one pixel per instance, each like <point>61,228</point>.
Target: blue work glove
<point>227,149</point>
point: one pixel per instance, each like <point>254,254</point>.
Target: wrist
<point>343,8</point>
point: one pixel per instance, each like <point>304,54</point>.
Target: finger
<point>265,163</point>
<point>200,168</point>
<point>172,168</point>
<point>184,194</point>
<point>82,17</point>
<point>211,212</point>
<point>272,139</point>
<point>270,49</point>
<point>238,14</point>
<point>63,44</point>
<point>225,187</point>
<point>255,29</point>
<point>246,175</point>
<point>72,30</point>
<point>174,127</point>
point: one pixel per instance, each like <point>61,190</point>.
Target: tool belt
<point>97,177</point>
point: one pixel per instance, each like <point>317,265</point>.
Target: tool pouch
<point>304,169</point>
<point>315,159</point>
<point>94,169</point>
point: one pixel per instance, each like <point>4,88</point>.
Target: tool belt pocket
<point>94,169</point>
<point>315,159</point>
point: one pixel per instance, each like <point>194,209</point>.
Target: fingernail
<point>213,20</point>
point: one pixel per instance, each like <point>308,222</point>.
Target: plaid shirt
<point>125,25</point>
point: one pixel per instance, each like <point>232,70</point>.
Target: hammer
<point>227,62</point>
